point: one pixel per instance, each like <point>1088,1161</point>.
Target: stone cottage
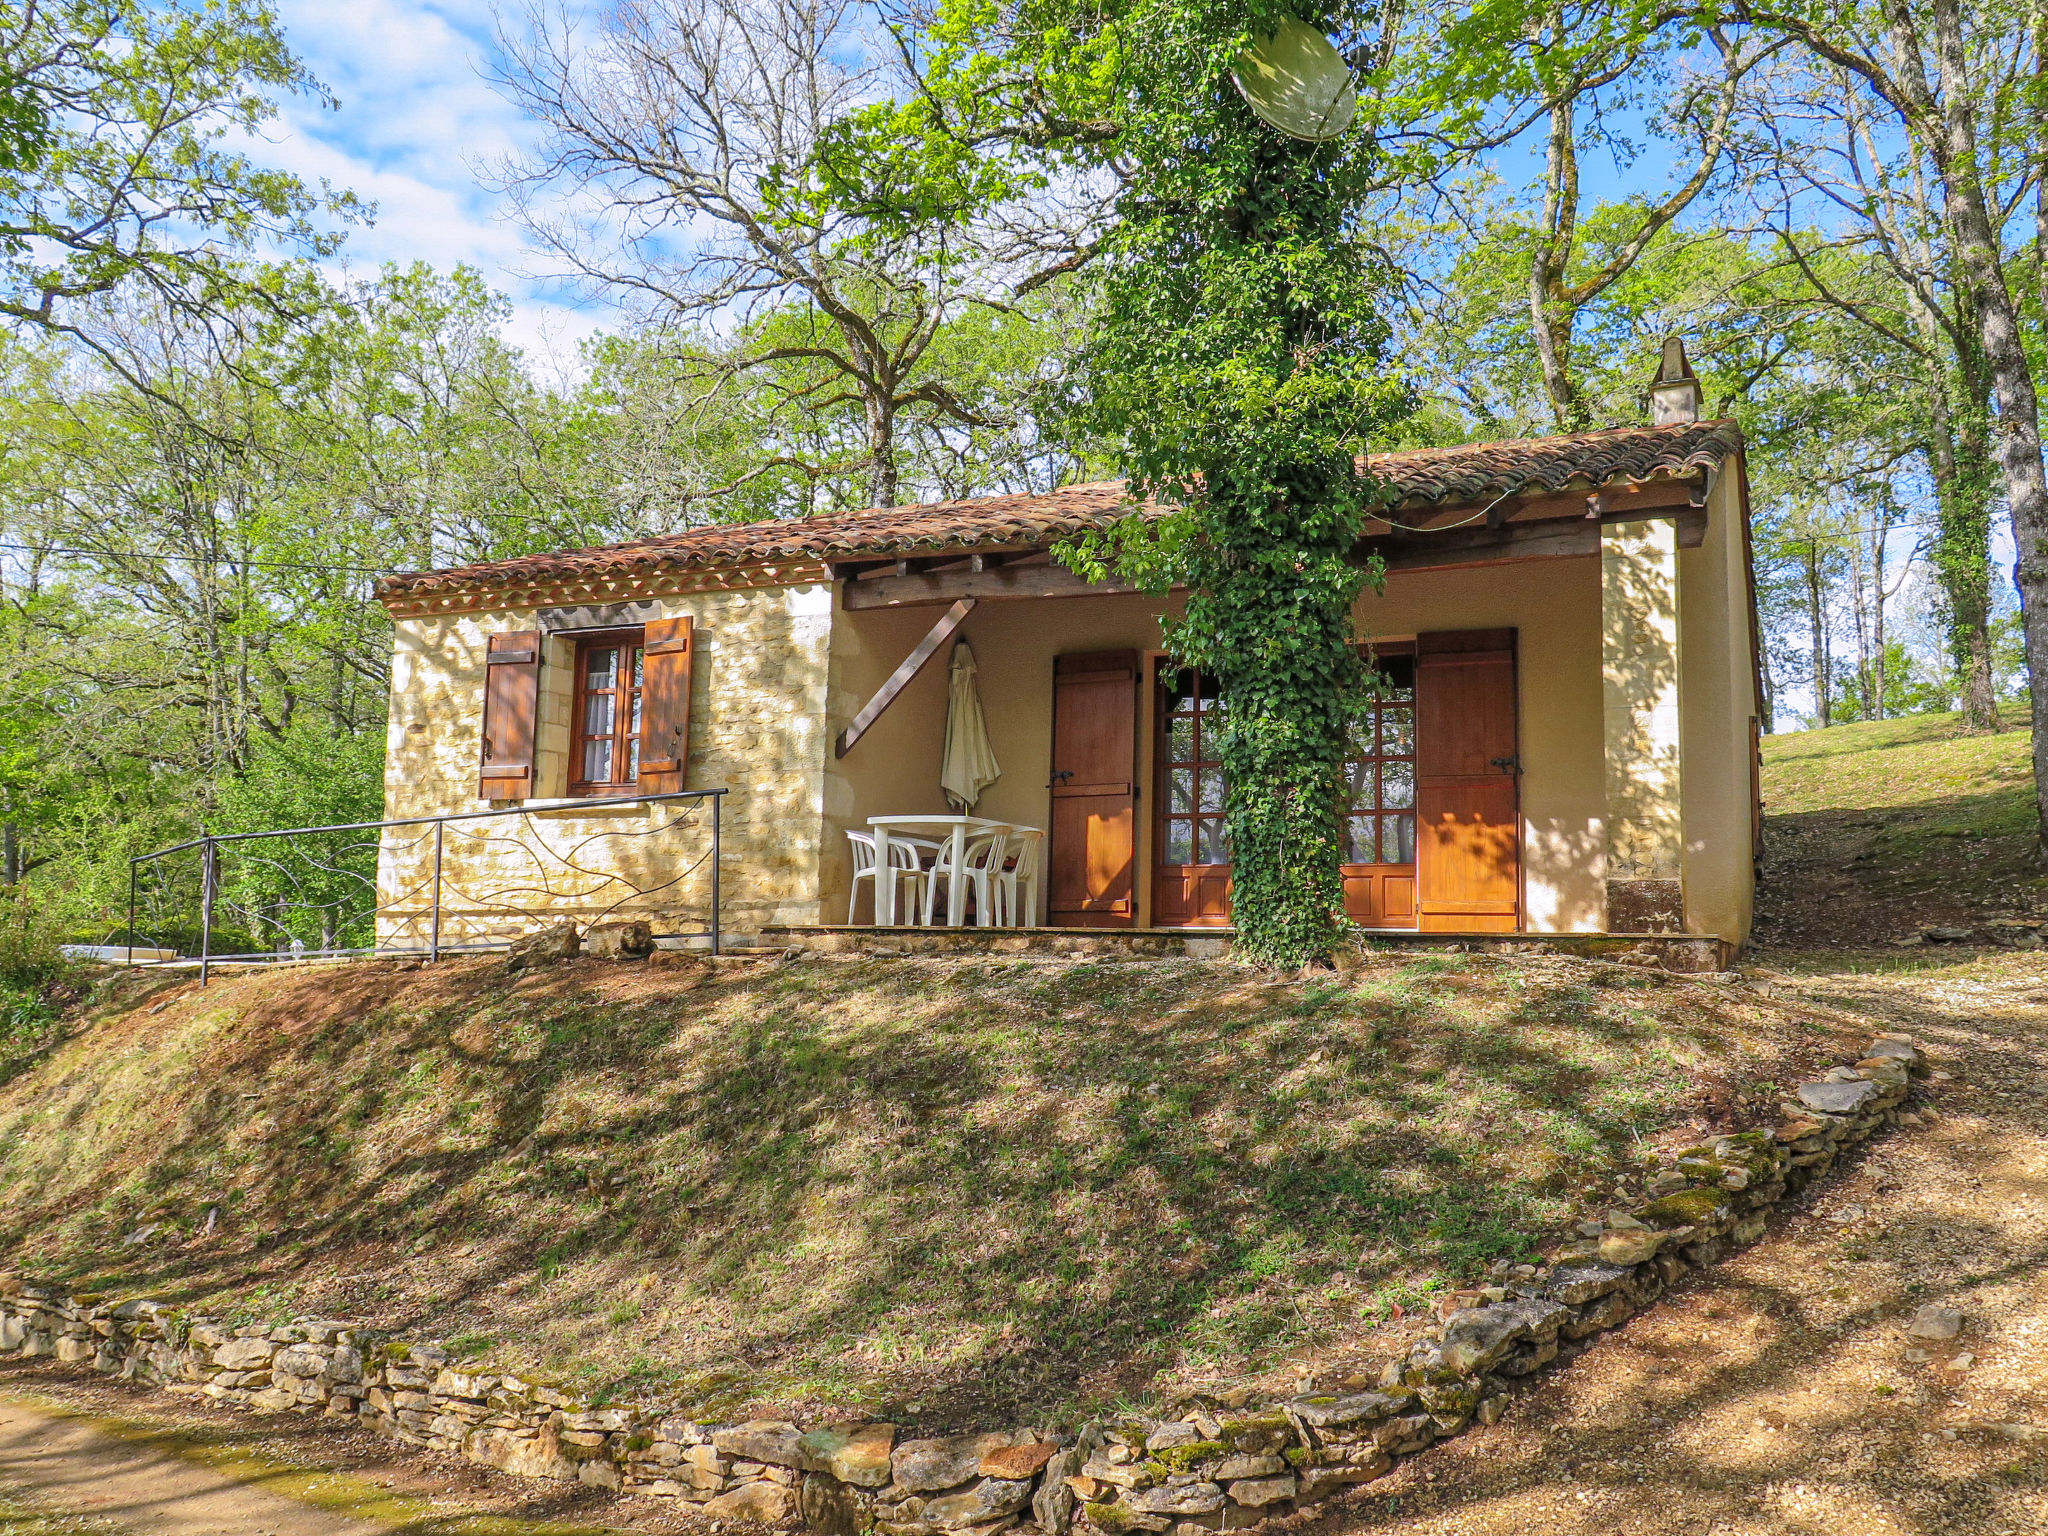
<point>1566,744</point>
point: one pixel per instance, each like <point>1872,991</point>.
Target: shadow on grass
<point>981,1187</point>
<point>1550,1463</point>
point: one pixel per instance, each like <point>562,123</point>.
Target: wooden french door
<point>1191,859</point>
<point>1431,821</point>
<point>1379,811</point>
<point>1467,777</point>
<point>1092,872</point>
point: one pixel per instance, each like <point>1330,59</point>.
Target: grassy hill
<point>939,1191</point>
<point>933,1190</point>
<point>1877,830</point>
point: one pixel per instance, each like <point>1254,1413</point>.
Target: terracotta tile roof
<point>1464,475</point>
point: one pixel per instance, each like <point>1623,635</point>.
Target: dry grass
<point>1876,830</point>
<point>936,1189</point>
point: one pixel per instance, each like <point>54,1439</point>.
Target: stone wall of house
<point>1220,1460</point>
<point>757,730</point>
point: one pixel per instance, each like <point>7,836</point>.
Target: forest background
<point>215,436</point>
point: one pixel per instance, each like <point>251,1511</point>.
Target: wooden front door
<point>1379,811</point>
<point>1092,879</point>
<point>1467,774</point>
<point>1191,868</point>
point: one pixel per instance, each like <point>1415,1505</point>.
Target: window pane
<point>1397,839</point>
<point>1397,732</point>
<point>1215,848</point>
<point>1358,848</point>
<point>601,668</point>
<point>1397,785</point>
<point>597,760</point>
<point>633,759</point>
<point>1358,786</point>
<point>634,724</point>
<point>637,666</point>
<point>1180,843</point>
<point>598,713</point>
<point>1180,739</point>
<point>1180,790</point>
<point>1212,789</point>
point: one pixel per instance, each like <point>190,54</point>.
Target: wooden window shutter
<point>670,658</point>
<point>511,704</point>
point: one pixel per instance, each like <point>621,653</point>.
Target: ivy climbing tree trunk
<point>1237,367</point>
<point>1234,368</point>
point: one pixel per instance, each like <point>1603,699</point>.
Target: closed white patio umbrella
<point>970,765</point>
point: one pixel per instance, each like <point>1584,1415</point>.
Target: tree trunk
<point>1817,632</point>
<point>2012,378</point>
<point>881,416</point>
<point>1959,458</point>
<point>1549,261</point>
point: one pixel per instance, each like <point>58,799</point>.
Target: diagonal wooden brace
<point>899,680</point>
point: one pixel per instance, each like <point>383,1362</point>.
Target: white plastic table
<point>954,829</point>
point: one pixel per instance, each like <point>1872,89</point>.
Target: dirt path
<point>98,1457</point>
<point>1779,1394</point>
<point>70,1464</point>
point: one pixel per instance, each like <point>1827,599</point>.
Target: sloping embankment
<point>940,1192</point>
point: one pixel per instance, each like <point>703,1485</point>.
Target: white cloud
<point>416,120</point>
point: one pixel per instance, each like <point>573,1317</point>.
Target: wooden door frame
<point>1150,721</point>
<point>1148,769</point>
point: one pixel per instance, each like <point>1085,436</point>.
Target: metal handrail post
<point>434,944</point>
<point>133,866</point>
<point>717,823</point>
<point>208,866</point>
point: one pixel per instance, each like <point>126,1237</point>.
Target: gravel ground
<point>1779,1393</point>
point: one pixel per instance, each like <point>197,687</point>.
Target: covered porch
<point>1521,774</point>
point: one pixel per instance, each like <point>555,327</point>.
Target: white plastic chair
<point>1017,881</point>
<point>905,868</point>
<point>980,860</point>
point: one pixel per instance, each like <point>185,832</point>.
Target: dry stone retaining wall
<point>1222,1461</point>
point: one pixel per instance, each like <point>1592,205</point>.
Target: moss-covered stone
<point>1112,1517</point>
<point>1185,1458</point>
<point>1684,1208</point>
<point>1261,1434</point>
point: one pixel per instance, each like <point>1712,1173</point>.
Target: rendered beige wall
<point>1716,650</point>
<point>894,768</point>
<point>1555,605</point>
<point>756,729</point>
<point>1554,608</point>
<point>1641,691</point>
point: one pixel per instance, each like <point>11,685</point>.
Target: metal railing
<point>426,886</point>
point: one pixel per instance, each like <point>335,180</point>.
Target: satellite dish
<point>1298,83</point>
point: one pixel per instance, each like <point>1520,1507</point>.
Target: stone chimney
<point>1675,395</point>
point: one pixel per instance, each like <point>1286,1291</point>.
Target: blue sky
<point>416,122</point>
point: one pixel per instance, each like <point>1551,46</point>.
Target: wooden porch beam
<point>1613,501</point>
<point>1543,528</point>
<point>1557,539</point>
<point>899,680</point>
<point>997,582</point>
